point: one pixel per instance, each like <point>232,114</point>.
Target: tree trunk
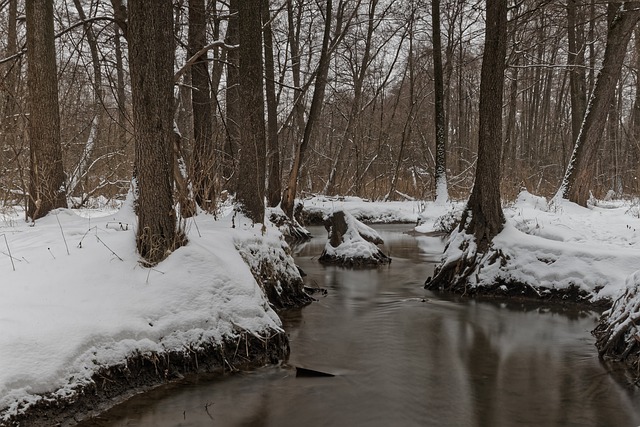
<point>580,171</point>
<point>440,117</point>
<point>151,55</point>
<point>202,168</point>
<point>274,188</point>
<point>482,218</point>
<point>251,165</point>
<point>288,198</point>
<point>483,210</point>
<point>233,96</point>
<point>83,163</point>
<point>576,65</point>
<point>46,186</point>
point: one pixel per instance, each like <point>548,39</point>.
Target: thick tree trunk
<point>151,56</point>
<point>580,171</point>
<point>251,166</point>
<point>46,186</point>
<point>202,169</point>
<point>484,211</point>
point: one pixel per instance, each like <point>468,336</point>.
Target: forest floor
<point>83,324</point>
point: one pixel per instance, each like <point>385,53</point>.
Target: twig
<point>9,250</point>
<point>206,408</point>
<point>49,249</point>
<point>149,272</point>
<point>105,245</point>
<point>62,232</point>
<point>85,235</point>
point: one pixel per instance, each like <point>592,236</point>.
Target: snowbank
<point>317,207</point>
<point>74,299</point>
<point>563,247</point>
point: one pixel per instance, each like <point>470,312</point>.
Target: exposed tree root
<point>618,332</point>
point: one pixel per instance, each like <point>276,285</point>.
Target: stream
<point>404,356</point>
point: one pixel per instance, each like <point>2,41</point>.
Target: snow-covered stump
<point>351,243</point>
<point>617,333</point>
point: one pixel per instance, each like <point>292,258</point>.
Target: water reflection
<point>404,356</point>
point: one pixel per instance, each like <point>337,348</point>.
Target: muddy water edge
<point>401,355</point>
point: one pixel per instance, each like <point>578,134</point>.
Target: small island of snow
<point>351,243</point>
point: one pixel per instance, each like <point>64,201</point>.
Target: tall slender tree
<point>288,198</point>
<point>440,116</point>
<point>274,187</point>
<point>46,186</point>
<point>580,172</point>
<point>151,56</point>
<point>233,110</point>
<point>202,166</point>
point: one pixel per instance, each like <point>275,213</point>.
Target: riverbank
<point>83,324</point>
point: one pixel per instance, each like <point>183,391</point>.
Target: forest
<point>372,74</point>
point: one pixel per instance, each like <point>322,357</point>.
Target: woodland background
<point>375,135</point>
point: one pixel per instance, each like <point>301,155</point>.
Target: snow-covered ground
<point>74,298</point>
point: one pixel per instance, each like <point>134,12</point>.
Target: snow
<point>365,210</point>
<point>356,242</point>
<point>560,244</point>
<point>79,300</point>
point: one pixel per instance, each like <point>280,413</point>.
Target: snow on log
<point>351,243</point>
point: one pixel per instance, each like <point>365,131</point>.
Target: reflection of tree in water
<point>483,363</point>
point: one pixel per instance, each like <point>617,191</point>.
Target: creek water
<point>403,356</point>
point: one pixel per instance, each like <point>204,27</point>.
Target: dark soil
<point>113,385</point>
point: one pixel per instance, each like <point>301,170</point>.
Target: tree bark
<point>440,116</point>
<point>274,188</point>
<point>577,77</point>
<point>252,155</point>
<point>202,168</point>
<point>580,171</point>
<point>483,211</point>
<point>46,186</point>
<point>151,55</point>
<point>232,96</point>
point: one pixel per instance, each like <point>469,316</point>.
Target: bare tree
<point>46,186</point>
<point>203,153</point>
<point>440,117</point>
<point>288,198</point>
<point>274,188</point>
<point>579,174</point>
